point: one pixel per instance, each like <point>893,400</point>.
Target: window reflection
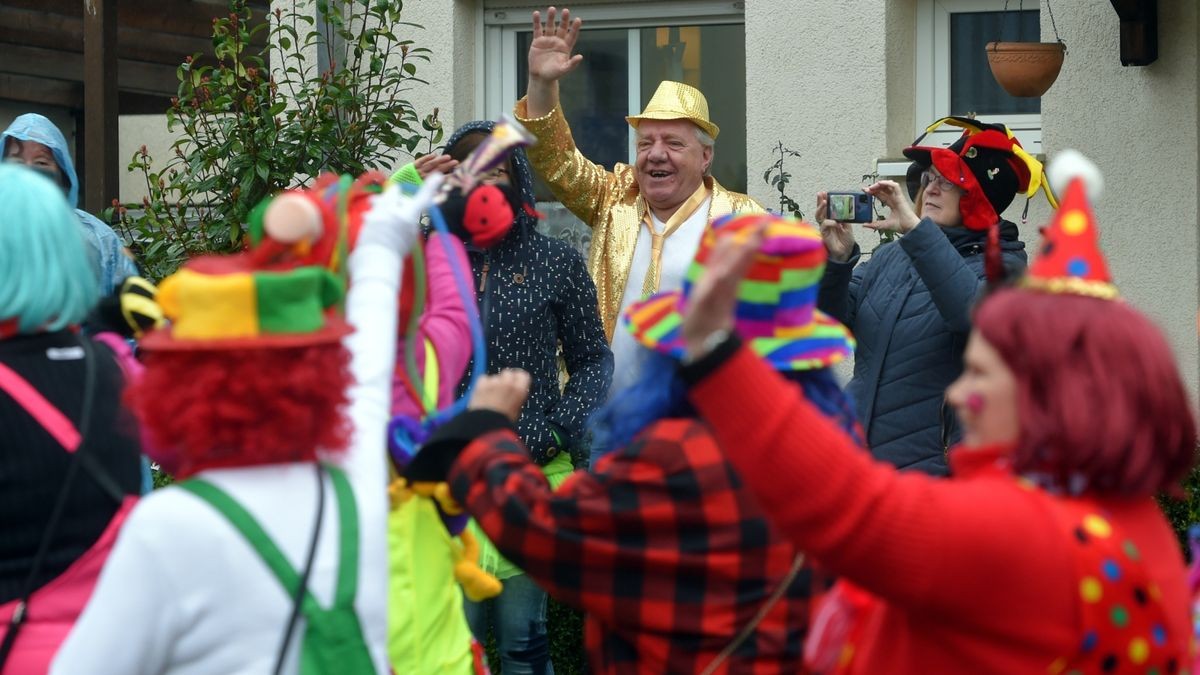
<point>972,87</point>
<point>712,59</point>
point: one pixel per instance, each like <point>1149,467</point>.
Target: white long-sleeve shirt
<point>184,593</point>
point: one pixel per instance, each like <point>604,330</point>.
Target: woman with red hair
<point>1046,553</point>
<point>270,554</point>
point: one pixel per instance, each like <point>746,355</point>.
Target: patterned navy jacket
<point>535,297</point>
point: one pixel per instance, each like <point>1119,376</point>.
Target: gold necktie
<point>686,210</point>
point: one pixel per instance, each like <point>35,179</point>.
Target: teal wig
<point>46,282</point>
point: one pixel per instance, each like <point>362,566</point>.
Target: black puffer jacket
<point>535,296</point>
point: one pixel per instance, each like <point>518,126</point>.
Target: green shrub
<point>1185,510</point>
<point>258,115</point>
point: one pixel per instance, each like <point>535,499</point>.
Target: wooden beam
<point>131,75</point>
<point>179,17</point>
<point>54,31</point>
<point>130,103</point>
<point>41,91</point>
<point>100,161</point>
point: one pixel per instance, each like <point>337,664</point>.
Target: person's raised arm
<point>952,283</point>
<point>550,58</point>
<point>389,232</point>
<point>838,292</point>
<point>580,184</point>
<point>912,539</point>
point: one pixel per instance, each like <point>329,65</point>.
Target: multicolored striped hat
<point>227,302</point>
<point>777,301</point>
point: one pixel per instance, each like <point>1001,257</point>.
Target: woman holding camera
<point>909,306</point>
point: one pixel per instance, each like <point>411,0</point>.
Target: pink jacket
<point>445,325</point>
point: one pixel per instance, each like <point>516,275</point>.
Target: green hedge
<point>1185,510</point>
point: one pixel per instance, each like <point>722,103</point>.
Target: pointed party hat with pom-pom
<point>1070,260</point>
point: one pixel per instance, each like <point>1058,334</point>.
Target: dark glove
<point>437,455</point>
<point>130,311</point>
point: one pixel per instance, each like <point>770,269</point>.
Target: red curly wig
<point>1100,401</point>
<point>233,408</point>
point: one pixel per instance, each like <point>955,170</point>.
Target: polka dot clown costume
<point>1045,552</point>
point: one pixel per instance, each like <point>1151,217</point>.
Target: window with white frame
<point>628,49</point>
<point>953,77</point>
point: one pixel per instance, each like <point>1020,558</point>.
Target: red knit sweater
<point>975,574</point>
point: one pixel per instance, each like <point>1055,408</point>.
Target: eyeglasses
<point>931,177</point>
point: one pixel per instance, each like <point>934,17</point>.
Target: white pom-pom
<point>1070,164</point>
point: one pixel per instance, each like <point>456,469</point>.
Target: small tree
<point>777,178</point>
<point>256,116</point>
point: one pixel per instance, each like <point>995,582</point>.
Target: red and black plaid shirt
<point>662,545</point>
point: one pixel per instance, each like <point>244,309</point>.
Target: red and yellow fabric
<point>216,303</point>
<point>982,574</point>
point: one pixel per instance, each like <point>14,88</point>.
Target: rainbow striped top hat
<point>777,301</point>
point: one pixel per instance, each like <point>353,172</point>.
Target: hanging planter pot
<point>1026,68</point>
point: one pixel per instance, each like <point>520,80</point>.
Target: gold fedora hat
<point>677,101</point>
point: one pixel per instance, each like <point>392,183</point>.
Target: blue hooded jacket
<point>105,249</point>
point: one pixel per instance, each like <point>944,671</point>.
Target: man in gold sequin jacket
<point>668,189</point>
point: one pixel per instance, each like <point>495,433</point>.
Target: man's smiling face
<point>671,163</point>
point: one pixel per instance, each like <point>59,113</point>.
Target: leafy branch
<point>257,115</point>
<point>778,178</point>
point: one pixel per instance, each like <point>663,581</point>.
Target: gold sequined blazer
<point>609,202</point>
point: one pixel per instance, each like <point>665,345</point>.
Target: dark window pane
<point>712,59</point>
<point>972,87</point>
<point>594,98</point>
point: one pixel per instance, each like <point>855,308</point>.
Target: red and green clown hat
<point>987,163</point>
<point>1070,260</point>
<point>227,302</point>
<point>776,310</point>
<point>317,225</point>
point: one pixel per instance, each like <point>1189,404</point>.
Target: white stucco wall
<point>841,93</point>
<point>134,131</point>
<point>453,30</point>
<point>1140,125</point>
<point>816,81</point>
